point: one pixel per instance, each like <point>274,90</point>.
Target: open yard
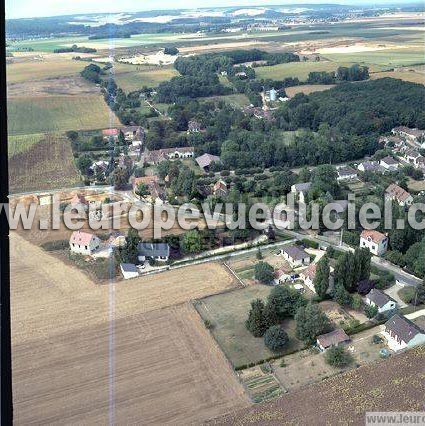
<point>47,164</point>
<point>29,115</point>
<point>83,352</point>
<point>307,89</point>
<point>227,313</point>
<point>395,384</point>
<point>416,185</point>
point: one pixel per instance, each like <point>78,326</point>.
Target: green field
<point>227,313</point>
<point>134,77</point>
<point>384,58</point>
<point>57,113</point>
<point>302,69</point>
<point>21,143</point>
<point>238,100</point>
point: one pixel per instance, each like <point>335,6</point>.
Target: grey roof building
<point>154,250</point>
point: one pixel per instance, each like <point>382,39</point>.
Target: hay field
<point>62,326</point>
<point>28,115</point>
<point>47,164</point>
<point>412,76</point>
<point>166,370</point>
<point>68,300</point>
<point>39,70</point>
<point>21,143</point>
<point>307,89</point>
<point>133,77</point>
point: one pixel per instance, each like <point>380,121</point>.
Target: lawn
<point>58,113</point>
<point>227,313</point>
<point>134,77</point>
<point>238,100</point>
<point>416,185</point>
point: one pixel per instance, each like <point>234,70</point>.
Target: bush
<point>264,272</point>
<point>55,245</point>
<point>208,324</point>
<point>310,244</point>
<point>225,173</point>
<point>407,294</point>
<point>371,311</point>
<point>337,356</point>
<point>276,338</point>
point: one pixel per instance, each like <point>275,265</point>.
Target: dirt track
<point>168,369</point>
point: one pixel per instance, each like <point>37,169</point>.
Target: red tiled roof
<point>333,338</point>
<point>375,236</point>
<point>310,272</point>
<point>82,238</point>
<point>110,132</point>
<point>397,192</point>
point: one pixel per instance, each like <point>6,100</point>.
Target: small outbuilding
<point>129,271</point>
<point>334,338</point>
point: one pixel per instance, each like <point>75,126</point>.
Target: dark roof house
<point>334,338</point>
<point>379,298</point>
<point>154,250</point>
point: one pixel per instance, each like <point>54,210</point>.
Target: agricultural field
<point>238,100</point>
<point>32,70</point>
<point>381,58</point>
<point>164,355</point>
<point>28,115</point>
<point>307,89</point>
<point>395,384</point>
<point>47,164</point>
<point>160,348</point>
<point>21,143</point>
<point>412,76</point>
<point>134,77</point>
<point>227,314</point>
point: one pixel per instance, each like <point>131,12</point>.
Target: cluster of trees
<point>129,252</point>
<point>182,179</point>
<point>265,319</point>
<point>171,51</point>
<point>371,108</point>
<point>182,88</point>
<point>353,73</point>
<point>92,73</point>
<point>75,48</point>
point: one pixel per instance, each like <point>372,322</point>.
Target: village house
<point>134,133</point>
<point>82,242</point>
<point>129,271</point>
<point>401,333</point>
<point>193,126</point>
<point>382,301</point>
<point>392,141</point>
<point>220,189</point>
<point>300,191</point>
<point>374,241</point>
<point>398,194</point>
<point>110,133</point>
<point>411,156</point>
<point>346,173</point>
<point>370,166</point>
<point>412,135</point>
<point>156,195</point>
<point>45,199</point>
<point>159,252</point>
<point>160,155</point>
<point>296,256</point>
<point>281,275</point>
<point>390,164</point>
<point>308,276</point>
<point>205,161</point>
<point>334,338</point>
<point>79,201</point>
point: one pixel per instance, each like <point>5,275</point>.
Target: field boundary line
<point>234,274</point>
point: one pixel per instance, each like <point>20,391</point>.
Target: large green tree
<point>276,338</point>
<point>283,302</point>
<point>256,322</point>
<point>321,280</point>
<point>311,322</point>
<point>192,242</point>
<point>264,272</point>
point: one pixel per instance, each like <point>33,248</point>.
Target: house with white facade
<point>83,242</point>
<point>370,166</point>
<point>308,276</point>
<point>382,301</point>
<point>412,135</point>
<point>398,194</point>
<point>295,256</point>
<point>346,173</point>
<point>159,252</point>
<point>401,333</point>
<point>300,191</point>
<point>129,271</point>
<point>390,164</point>
<point>375,241</point>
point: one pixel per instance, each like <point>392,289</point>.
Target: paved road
<point>399,274</point>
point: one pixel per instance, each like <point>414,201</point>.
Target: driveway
<point>393,292</point>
